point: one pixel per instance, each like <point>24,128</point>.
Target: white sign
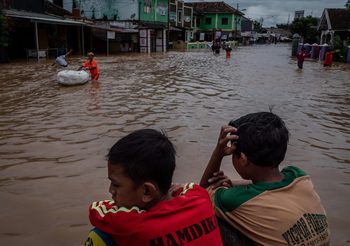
<point>143,33</point>
<point>201,36</point>
<point>110,35</point>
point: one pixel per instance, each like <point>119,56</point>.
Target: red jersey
<point>95,71</point>
<point>186,219</point>
<point>301,56</point>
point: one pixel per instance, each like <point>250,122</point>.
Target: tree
<point>307,28</point>
<point>257,26</point>
<point>347,5</point>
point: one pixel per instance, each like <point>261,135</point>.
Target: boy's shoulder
<point>235,196</point>
<point>188,190</point>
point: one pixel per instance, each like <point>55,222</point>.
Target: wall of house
<point>203,26</point>
<point>225,27</point>
<point>188,16</point>
<point>216,22</point>
<point>154,10</point>
<point>105,9</point>
<point>237,23</point>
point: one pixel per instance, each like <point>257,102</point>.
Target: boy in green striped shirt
<point>274,207</point>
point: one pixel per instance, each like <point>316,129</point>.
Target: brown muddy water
<point>54,139</point>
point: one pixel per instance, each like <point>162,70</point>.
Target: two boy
<point>273,208</point>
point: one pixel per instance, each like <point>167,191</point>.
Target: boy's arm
<point>70,51</point>
<point>222,149</point>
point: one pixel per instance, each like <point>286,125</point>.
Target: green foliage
<point>4,31</point>
<point>307,28</point>
<point>257,26</point>
<point>347,5</point>
<point>340,48</point>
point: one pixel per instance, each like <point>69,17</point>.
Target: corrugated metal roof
<point>42,18</point>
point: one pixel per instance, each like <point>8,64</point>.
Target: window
<point>208,21</point>
<point>198,22</point>
<point>224,21</point>
<point>179,16</point>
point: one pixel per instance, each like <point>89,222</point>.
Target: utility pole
<point>168,34</point>
<point>236,19</point>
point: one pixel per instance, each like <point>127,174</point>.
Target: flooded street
<point>54,139</point>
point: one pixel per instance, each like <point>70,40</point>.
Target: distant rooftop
<point>339,19</point>
<point>213,7</point>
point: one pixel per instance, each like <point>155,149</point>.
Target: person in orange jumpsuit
<point>329,58</point>
<point>91,64</point>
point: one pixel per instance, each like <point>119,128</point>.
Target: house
<point>149,18</point>
<point>180,23</point>
<point>39,29</point>
<point>334,22</point>
<point>216,20</point>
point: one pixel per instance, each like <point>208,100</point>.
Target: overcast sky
<point>277,11</point>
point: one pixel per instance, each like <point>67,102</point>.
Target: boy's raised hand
<point>223,146</point>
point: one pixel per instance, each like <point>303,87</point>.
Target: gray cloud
<point>277,11</point>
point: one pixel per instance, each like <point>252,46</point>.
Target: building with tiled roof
<point>334,22</point>
<point>215,20</point>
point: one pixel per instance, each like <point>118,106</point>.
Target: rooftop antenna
<point>288,19</point>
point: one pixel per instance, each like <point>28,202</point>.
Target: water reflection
<point>54,138</point>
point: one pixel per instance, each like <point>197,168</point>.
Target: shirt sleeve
<point>191,189</point>
<point>228,199</point>
<point>107,217</point>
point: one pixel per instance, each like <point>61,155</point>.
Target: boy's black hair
<point>263,138</point>
<point>145,155</point>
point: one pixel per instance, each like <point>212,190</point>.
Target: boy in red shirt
<point>145,208</point>
<point>91,64</point>
<point>301,57</point>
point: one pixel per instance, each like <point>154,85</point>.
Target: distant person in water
<point>301,57</point>
<point>228,50</point>
<point>91,64</point>
<point>61,60</point>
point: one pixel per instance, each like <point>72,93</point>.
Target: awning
<point>175,29</point>
<point>113,29</point>
<point>153,25</point>
<point>40,18</point>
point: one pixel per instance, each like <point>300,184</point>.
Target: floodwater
<point>54,139</point>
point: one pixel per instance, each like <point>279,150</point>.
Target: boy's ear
<point>243,159</point>
<point>150,192</point>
